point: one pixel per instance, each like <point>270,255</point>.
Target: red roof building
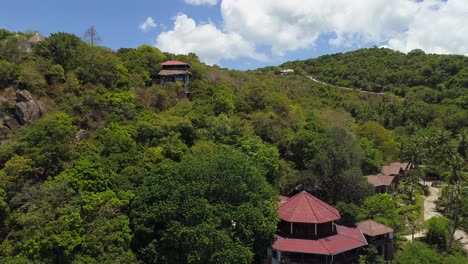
<point>306,208</point>
<point>307,233</point>
<point>175,71</point>
<point>382,183</point>
<point>379,235</point>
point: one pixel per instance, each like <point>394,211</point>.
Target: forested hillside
<point>118,168</point>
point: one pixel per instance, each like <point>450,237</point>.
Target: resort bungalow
<point>307,233</point>
<point>396,168</point>
<point>382,183</point>
<point>378,235</point>
<point>175,71</point>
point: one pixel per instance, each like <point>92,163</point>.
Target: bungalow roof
<point>401,165</point>
<point>306,208</point>
<point>372,228</point>
<point>380,180</point>
<point>346,239</point>
<point>391,170</point>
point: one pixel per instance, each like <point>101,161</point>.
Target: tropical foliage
<point>123,169</point>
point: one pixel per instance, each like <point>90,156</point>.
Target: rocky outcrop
<point>23,96</point>
<point>16,109</point>
<point>27,109</point>
<point>81,135</point>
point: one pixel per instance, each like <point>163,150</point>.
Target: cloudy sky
<point>245,34</point>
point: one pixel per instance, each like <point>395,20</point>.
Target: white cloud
<point>433,25</point>
<point>206,40</point>
<point>148,24</point>
<point>201,2</point>
<point>437,27</point>
<point>294,24</point>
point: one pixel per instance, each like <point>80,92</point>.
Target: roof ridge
<point>370,226</point>
<point>295,207</point>
<point>351,236</point>
<point>326,206</point>
<point>313,211</point>
<point>324,245</point>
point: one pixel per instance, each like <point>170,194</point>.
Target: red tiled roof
<point>391,170</point>
<point>300,245</point>
<point>306,208</point>
<point>380,180</point>
<point>401,165</point>
<point>346,239</point>
<point>171,63</point>
<point>372,228</point>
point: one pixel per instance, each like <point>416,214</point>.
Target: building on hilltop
<point>307,233</point>
<point>286,72</point>
<point>176,71</point>
<point>378,235</point>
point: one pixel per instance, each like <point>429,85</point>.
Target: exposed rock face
<point>23,96</point>
<point>81,135</point>
<point>16,109</point>
<point>27,110</point>
<point>10,122</point>
<point>7,104</point>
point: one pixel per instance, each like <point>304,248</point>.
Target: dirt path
<point>346,88</point>
<point>430,211</point>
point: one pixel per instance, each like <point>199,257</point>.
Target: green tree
<point>438,231</point>
<point>47,143</point>
<point>417,253</point>
<point>13,49</point>
<point>16,172</point>
<point>99,65</point>
<point>62,48</point>
<point>415,154</point>
<point>31,77</point>
<point>456,176</point>
<point>372,157</point>
<point>336,166</point>
<point>212,208</point>
<point>143,61</point>
<point>384,209</point>
<point>371,256</point>
<point>9,72</point>
<point>382,139</point>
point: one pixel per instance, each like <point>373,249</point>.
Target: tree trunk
<point>456,200</point>
<point>455,226</point>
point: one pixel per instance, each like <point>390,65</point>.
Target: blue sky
<point>245,34</point>
<point>115,20</point>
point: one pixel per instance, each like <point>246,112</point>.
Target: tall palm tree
<point>415,154</point>
<point>455,175</point>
